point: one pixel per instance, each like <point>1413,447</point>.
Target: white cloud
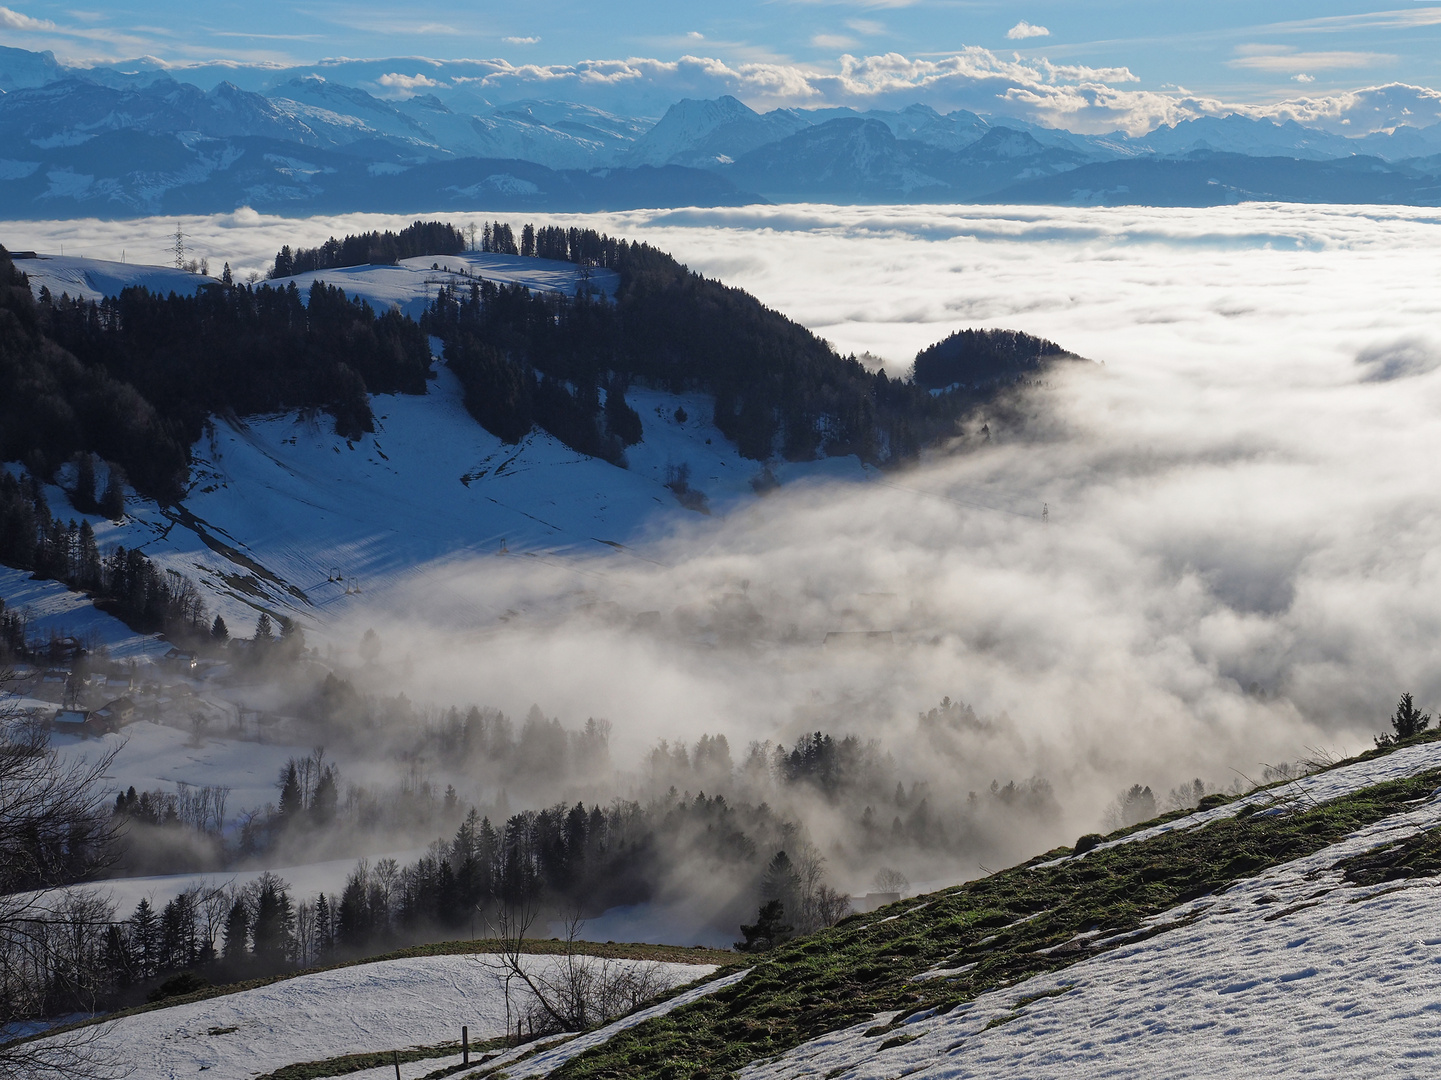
<point>1371,20</point>
<point>14,20</point>
<point>695,35</point>
<point>1302,77</point>
<point>406,85</point>
<point>833,41</point>
<point>521,40</point>
<point>1280,58</point>
<point>1023,30</point>
<point>870,27</point>
<point>1356,112</point>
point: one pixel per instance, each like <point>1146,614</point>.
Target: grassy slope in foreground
<point>991,931</point>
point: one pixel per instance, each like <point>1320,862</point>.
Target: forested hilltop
<point>133,379</point>
<point>528,357</point>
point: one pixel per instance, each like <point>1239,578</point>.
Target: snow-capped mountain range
<point>132,139</point>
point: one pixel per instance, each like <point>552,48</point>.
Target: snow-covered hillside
<point>52,610</point>
<point>412,284</point>
<point>283,513</point>
<point>1294,972</point>
<point>93,279</point>
<point>393,1004</point>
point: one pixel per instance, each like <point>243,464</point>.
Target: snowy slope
<point>412,284</point>
<point>280,506</point>
<point>95,279</point>
<point>1290,973</point>
<point>51,609</point>
<point>1306,791</point>
<point>418,1001</point>
<point>156,756</point>
<point>687,123</point>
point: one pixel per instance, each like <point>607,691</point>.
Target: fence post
<point>465,1045</point>
<point>396,1057</point>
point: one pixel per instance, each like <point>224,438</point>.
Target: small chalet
<point>75,722</point>
<point>116,714</point>
<point>181,661</point>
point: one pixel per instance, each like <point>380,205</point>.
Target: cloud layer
<point>1240,560</point>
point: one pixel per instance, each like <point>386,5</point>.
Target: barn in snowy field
<point>180,661</point>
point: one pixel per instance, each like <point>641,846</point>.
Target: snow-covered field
<point>412,284</point>
<point>94,279</point>
<point>1292,973</point>
<point>421,1001</point>
<point>52,609</point>
<point>285,513</point>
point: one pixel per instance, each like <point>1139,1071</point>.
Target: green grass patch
<point>350,1063</point>
<point>898,1040</point>
<point>1416,856</point>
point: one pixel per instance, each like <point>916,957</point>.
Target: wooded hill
<point>779,389</point>
<point>135,378</point>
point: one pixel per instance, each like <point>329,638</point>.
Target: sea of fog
<point>1241,561</point>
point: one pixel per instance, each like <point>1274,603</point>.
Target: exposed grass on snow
<point>351,1063</point>
<point>996,932</point>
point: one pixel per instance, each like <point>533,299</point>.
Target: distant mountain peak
<point>687,123</point>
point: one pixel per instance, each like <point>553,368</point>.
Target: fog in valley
<point>1210,551</point>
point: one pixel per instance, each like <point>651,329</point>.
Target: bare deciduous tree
<point>54,832</point>
<point>568,991</point>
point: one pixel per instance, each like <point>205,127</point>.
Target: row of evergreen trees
<point>562,858</point>
<point>778,387</point>
<point>383,248</point>
<point>135,378</point>
<point>85,958</point>
<point>583,246</point>
<point>124,582</point>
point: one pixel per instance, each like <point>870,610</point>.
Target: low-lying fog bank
<point>1213,550</point>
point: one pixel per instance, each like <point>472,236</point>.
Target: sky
<point>1234,52</point>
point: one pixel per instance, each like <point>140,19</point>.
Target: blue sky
<point>1224,49</point>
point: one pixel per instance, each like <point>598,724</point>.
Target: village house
<point>115,714</point>
<point>180,661</point>
<point>75,722</point>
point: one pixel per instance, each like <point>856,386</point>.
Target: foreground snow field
<point>1293,972</point>
<point>545,1056</point>
<point>393,1004</point>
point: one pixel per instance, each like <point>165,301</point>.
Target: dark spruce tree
<point>768,931</point>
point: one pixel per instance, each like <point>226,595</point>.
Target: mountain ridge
<point>725,152</point>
